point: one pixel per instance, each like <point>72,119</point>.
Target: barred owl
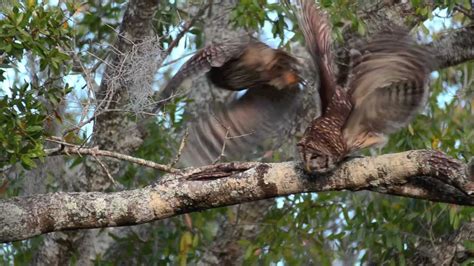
<point>243,128</point>
<point>237,65</point>
<point>271,78</point>
<point>387,86</point>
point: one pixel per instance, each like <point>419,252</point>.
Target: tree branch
<point>68,149</point>
<point>115,131</point>
<point>448,250</point>
<point>231,183</point>
<point>186,27</point>
<point>455,47</point>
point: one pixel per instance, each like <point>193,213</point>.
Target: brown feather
<point>245,125</point>
<point>316,29</point>
<point>388,86</point>
<point>213,55</point>
<point>237,66</point>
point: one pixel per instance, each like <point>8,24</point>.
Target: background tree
<point>86,73</point>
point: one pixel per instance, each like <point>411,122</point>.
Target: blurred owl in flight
<point>271,79</point>
<point>387,86</point>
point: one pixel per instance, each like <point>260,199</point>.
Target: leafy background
<point>40,45</point>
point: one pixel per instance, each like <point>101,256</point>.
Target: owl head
<point>315,161</point>
<point>322,146</point>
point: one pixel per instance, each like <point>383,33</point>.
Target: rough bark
<point>225,249</point>
<point>227,184</point>
<point>455,47</point>
<point>116,131</point>
<point>112,131</point>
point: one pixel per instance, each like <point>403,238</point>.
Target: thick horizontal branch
<point>455,47</point>
<point>420,174</point>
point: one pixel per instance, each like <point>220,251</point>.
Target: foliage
<point>299,229</point>
<point>41,33</point>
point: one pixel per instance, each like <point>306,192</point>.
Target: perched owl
<point>387,86</point>
<point>239,127</point>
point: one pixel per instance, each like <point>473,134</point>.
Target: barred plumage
<point>251,121</point>
<point>386,88</point>
<point>271,77</point>
<point>316,30</point>
<point>237,65</point>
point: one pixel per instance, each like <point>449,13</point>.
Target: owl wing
<point>241,127</point>
<point>387,86</point>
<point>213,55</point>
<point>316,30</point>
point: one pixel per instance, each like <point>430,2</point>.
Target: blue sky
<point>439,22</point>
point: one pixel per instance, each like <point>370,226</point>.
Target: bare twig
<point>109,176</point>
<point>226,137</point>
<point>222,155</point>
<point>181,147</point>
<point>91,86</point>
<point>70,148</point>
<point>99,62</point>
<point>81,124</point>
<point>466,12</point>
<point>100,59</point>
<point>186,27</point>
<point>176,60</point>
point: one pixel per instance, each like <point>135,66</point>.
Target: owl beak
<point>305,157</point>
<point>307,162</point>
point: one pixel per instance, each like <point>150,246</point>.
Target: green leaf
<point>469,245</point>
<point>31,129</point>
<point>27,162</point>
<point>361,28</point>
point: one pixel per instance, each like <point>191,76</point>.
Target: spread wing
<point>316,29</point>
<point>213,55</point>
<point>388,85</point>
<point>241,127</point>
